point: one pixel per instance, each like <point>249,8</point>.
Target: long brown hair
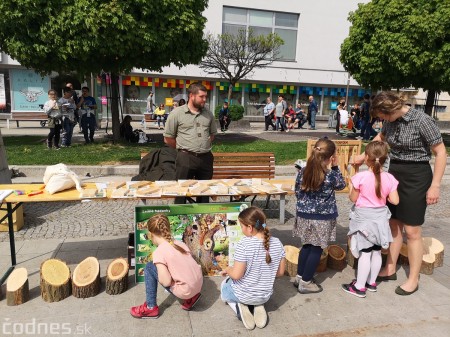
<point>255,217</point>
<point>316,166</point>
<point>377,153</point>
<point>159,225</point>
<point>385,103</point>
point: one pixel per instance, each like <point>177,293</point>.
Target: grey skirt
<point>414,181</point>
<point>315,232</point>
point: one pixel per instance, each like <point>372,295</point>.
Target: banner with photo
<point>28,90</point>
<point>2,92</point>
<point>211,231</point>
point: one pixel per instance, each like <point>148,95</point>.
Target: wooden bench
<point>27,116</point>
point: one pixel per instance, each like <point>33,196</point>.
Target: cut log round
<point>117,277</point>
<point>435,247</point>
<point>336,257</point>
<point>17,289</point>
<point>55,280</point>
<point>86,278</point>
<point>323,261</point>
<point>291,259</point>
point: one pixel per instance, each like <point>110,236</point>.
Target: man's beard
<point>198,105</point>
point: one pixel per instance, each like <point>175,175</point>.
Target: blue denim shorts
<point>226,291</point>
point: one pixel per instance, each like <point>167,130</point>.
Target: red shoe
<point>189,304</point>
<point>142,311</point>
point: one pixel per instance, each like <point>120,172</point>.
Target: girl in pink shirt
<point>369,220</point>
<point>173,267</point>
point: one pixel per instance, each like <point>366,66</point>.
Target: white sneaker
<point>260,315</point>
<point>246,316</point>
<point>309,287</point>
<point>297,280</point>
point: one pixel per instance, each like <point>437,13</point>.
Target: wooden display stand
<point>17,288</point>
<point>117,277</point>
<point>17,220</point>
<point>86,278</point>
<point>345,149</point>
<point>55,280</point>
<point>292,254</point>
<point>336,257</point>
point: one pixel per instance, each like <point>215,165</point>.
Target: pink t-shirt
<point>186,273</point>
<point>365,183</point>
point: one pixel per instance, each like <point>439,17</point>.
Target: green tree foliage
<point>114,36</point>
<point>236,111</point>
<point>399,43</point>
<point>236,56</point>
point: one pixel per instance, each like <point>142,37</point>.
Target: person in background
<point>366,124</point>
<point>160,113</point>
<point>269,110</point>
<point>53,111</point>
<point>317,211</point>
<point>126,130</point>
<point>412,137</point>
<point>172,266</point>
<point>87,106</point>
<point>75,99</point>
<point>300,118</point>
<point>369,219</point>
<point>355,113</point>
<point>341,106</point>
<point>68,107</point>
<point>149,107</point>
<point>258,259</point>
<point>280,110</point>
<point>290,117</point>
<point>224,117</point>
<point>312,111</point>
<point>191,129</point>
<point>181,102</point>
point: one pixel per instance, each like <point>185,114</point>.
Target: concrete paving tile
<point>120,242</point>
<point>40,246</point>
<point>74,257</point>
<point>74,244</point>
<point>5,249</point>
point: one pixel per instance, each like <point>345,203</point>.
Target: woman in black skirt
<point>412,137</point>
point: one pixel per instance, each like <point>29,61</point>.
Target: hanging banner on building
<point>28,90</point>
<point>211,231</point>
<point>2,92</point>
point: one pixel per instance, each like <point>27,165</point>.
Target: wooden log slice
<point>55,280</point>
<point>117,277</point>
<point>17,289</point>
<point>434,246</point>
<point>323,261</point>
<point>336,257</point>
<point>292,254</point>
<point>86,278</point>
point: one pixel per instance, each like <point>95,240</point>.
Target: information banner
<point>2,92</point>
<point>28,90</point>
<point>211,231</point>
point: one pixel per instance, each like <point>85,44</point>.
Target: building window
<point>264,23</point>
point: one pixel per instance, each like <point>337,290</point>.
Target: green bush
<point>236,111</point>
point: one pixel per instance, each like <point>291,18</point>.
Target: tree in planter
<point>235,56</point>
<point>399,43</point>
<point>103,36</point>
<point>236,111</point>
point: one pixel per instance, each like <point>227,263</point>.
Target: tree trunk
<point>115,107</point>
<point>55,280</point>
<point>230,90</point>
<point>5,174</point>
<point>17,289</point>
<point>431,95</point>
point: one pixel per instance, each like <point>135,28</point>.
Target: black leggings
<point>308,261</point>
<point>54,135</point>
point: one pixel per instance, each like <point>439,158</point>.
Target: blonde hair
<point>316,166</point>
<point>386,103</point>
<point>159,225</point>
<point>255,217</point>
<point>377,153</point>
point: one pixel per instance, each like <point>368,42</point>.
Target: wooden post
<point>17,289</point>
<point>55,280</point>
<point>86,278</point>
<point>117,277</point>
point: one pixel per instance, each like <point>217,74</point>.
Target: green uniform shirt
<point>191,131</point>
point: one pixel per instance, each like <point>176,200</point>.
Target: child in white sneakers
<point>258,259</point>
<point>173,267</point>
<point>316,217</point>
<point>369,221</point>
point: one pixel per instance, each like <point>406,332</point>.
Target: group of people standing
<point>387,202</point>
<point>64,113</point>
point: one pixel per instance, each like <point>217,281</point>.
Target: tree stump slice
<point>435,247</point>
<point>323,262</point>
<point>292,254</point>
<point>351,260</point>
<point>117,277</point>
<point>86,278</point>
<point>17,288</point>
<point>403,256</point>
<point>55,280</point>
<point>336,257</point>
